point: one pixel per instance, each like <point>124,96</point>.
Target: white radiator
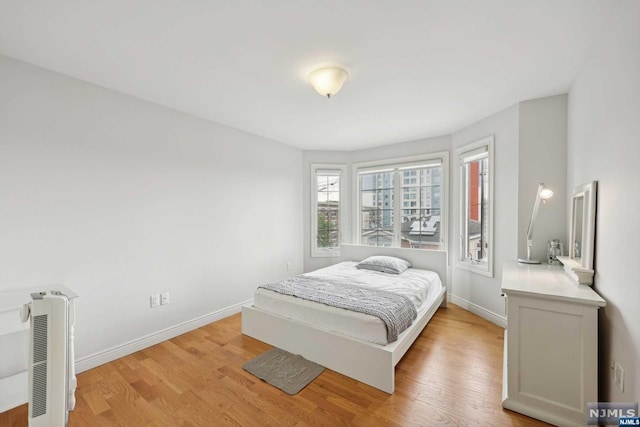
<point>52,380</point>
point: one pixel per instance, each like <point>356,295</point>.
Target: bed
<point>367,358</point>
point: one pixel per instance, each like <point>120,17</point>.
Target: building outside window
<point>400,203</point>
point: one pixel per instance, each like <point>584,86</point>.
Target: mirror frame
<point>588,194</point>
<point>581,269</point>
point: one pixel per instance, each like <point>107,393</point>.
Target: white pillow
<point>384,264</point>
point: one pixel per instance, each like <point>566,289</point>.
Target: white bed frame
<point>369,363</point>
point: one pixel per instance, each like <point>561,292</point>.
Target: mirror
<point>578,217</point>
<point>583,222</point>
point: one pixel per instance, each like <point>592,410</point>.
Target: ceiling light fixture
<point>328,81</point>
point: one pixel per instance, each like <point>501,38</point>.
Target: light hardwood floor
<point>452,375</point>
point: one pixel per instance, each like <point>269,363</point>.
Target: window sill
<point>478,268</point>
<point>325,254</point>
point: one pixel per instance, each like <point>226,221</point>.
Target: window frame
<point>474,149</point>
<point>341,171</point>
<point>396,165</point>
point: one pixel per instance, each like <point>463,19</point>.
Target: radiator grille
<point>39,386</point>
<point>39,400</point>
<point>40,338</point>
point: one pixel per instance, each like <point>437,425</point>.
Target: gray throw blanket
<point>396,311</point>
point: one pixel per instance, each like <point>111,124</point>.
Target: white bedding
<point>421,286</point>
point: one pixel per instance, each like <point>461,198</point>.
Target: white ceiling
<point>417,68</point>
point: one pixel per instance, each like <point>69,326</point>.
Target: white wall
<point>404,149</point>
<point>471,290</point>
<point>118,198</point>
<point>542,157</point>
<point>604,145</point>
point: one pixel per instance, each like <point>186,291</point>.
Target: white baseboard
<point>480,311</point>
<point>113,353</point>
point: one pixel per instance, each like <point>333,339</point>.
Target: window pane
<point>368,199</point>
<point>323,239</point>
<point>476,209</point>
<point>333,196</point>
<point>322,182</point>
<point>418,207</point>
<point>323,219</point>
<point>484,208</point>
<point>328,211</point>
<point>377,227</point>
<point>376,208</point>
<point>377,238</point>
<point>333,219</point>
<point>367,182</point>
<point>420,227</point>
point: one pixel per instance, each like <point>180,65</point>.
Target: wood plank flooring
<point>452,375</point>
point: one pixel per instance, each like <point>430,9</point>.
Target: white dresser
<point>550,344</point>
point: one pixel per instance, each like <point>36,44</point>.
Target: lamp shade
<point>328,81</point>
<point>545,193</point>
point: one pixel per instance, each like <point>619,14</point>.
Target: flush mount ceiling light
<point>328,81</point>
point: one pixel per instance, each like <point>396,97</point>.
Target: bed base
<point>366,362</point>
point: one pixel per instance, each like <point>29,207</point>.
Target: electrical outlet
<point>164,298</point>
<point>289,266</point>
<point>155,300</point>
<point>618,376</point>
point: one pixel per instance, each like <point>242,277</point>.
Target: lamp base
<point>528,261</point>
